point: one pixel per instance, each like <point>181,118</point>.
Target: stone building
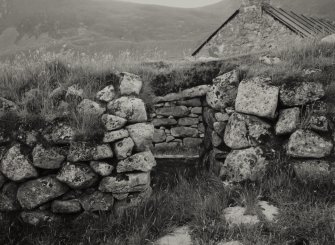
<point>258,26</point>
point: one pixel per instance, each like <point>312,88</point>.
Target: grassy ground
<point>306,213</point>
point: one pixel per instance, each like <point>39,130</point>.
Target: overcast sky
<point>176,3</point>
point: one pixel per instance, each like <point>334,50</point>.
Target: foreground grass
<point>198,201</point>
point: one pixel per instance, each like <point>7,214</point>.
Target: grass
<point>306,212</point>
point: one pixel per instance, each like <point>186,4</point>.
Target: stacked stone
<point>57,175</point>
<point>245,118</point>
<point>178,122</point>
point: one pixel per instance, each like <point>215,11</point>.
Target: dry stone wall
<point>47,173</point>
<point>247,125</point>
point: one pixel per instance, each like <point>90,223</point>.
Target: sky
<point>176,3</point>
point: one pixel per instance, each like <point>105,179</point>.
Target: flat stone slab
<point>256,97</point>
<point>180,236</point>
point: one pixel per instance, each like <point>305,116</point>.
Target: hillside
<point>111,26</point>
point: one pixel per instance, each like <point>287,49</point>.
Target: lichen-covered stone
<point>113,136</point>
<point>256,97</point>
<point>74,93</point>
<point>315,171</point>
<point>297,94</point>
<point>47,158</point>
<point>89,107</point>
<point>8,198</point>
<point>288,121</point>
<point>188,121</point>
<point>319,123</point>
<point>77,176</point>
<point>182,132</point>
<point>123,148</point>
<point>101,152</point>
<point>159,136</point>
<point>16,166</point>
<point>80,151</point>
<point>66,207</point>
<point>222,93</point>
<point>62,134</point>
<point>130,84</point>
<point>243,131</point>
<point>142,134</point>
<point>107,94</point>
<point>102,168</point>
<point>143,161</point>
<point>308,144</point>
<point>112,122</point>
<point>37,217</point>
<point>132,182</point>
<point>158,122</point>
<point>97,201</point>
<point>236,216</point>
<point>132,109</point>
<point>37,192</point>
<point>174,111</point>
<point>247,164</point>
<point>222,117</point>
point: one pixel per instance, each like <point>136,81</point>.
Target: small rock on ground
<point>180,236</point>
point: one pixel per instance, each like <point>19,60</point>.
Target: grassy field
<point>307,213</point>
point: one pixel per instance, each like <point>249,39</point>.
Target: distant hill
<point>112,26</point>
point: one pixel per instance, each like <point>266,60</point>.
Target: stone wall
<point>48,172</point>
<point>179,128</point>
<point>252,124</point>
<point>251,31</point>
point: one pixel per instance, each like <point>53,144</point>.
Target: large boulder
<point>16,166</point>
<point>243,131</point>
<point>256,97</point>
<point>8,198</point>
<point>288,121</point>
<point>77,176</point>
<point>112,122</point>
<point>315,171</point>
<point>174,111</point>
<point>130,84</point>
<point>37,192</point>
<point>143,161</point>
<point>66,207</point>
<point>107,94</point>
<point>132,182</point>
<point>247,164</point>
<point>123,148</point>
<point>47,158</point>
<point>222,93</point>
<point>102,168</point>
<point>308,144</point>
<point>113,136</point>
<point>142,134</point>
<point>89,107</point>
<point>158,122</point>
<point>297,94</point>
<point>182,132</point>
<point>132,109</point>
<point>97,201</point>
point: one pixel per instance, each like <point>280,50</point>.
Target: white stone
<point>107,94</point>
<point>236,216</point>
<point>112,122</point>
<point>142,134</point>
<point>123,148</point>
<point>180,236</point>
<point>132,109</point>
<point>113,136</point>
<point>130,84</point>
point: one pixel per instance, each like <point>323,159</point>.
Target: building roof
<point>298,23</point>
